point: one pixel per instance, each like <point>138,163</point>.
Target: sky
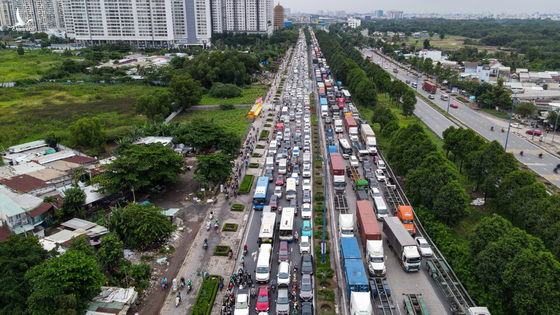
<point>424,6</point>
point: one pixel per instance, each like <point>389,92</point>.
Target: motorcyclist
<point>182,281</point>
<point>540,155</point>
<point>179,296</point>
<point>492,129</point>
<point>245,248</point>
<point>296,236</point>
<point>521,153</point>
<point>189,282</point>
<point>503,129</point>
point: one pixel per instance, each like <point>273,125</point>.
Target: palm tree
<point>50,199</point>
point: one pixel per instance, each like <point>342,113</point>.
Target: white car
<point>354,161</point>
<point>304,245</point>
<point>424,247</point>
<point>306,211</point>
<point>295,151</point>
<point>307,171</point>
<point>379,175</point>
<point>284,274</point>
<point>279,135</point>
<point>242,302</point>
<point>278,191</point>
<point>306,184</point>
<point>296,177</point>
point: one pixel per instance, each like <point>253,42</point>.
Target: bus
<point>261,191</point>
<point>287,224</point>
<point>268,225</point>
<point>291,188</point>
<point>345,148</point>
<point>347,97</point>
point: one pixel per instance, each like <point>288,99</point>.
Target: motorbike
<point>503,130</point>
<point>556,170</point>
<point>253,291</point>
<point>492,129</point>
<point>244,251</point>
<point>521,153</point>
<point>182,283</point>
<point>208,226</point>
<point>189,286</point>
<point>211,215</point>
<point>273,286</point>
<point>205,245</point>
<point>541,155</point>
<point>216,225</point>
<point>230,254</point>
<point>177,301</point>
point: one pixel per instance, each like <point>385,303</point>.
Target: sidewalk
<point>199,261</point>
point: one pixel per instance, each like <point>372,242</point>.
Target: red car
<point>454,105</point>
<point>376,159</point>
<point>530,132</point>
<point>263,299</point>
<point>280,180</point>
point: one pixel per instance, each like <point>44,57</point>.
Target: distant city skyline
<point>426,6</point>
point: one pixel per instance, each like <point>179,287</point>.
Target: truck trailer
<point>355,276</point>
<point>402,244</point>
<point>430,87</point>
<point>337,172</point>
<point>369,229</point>
<point>349,249</point>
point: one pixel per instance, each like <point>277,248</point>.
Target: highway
<point>480,124</point>
<point>400,281</point>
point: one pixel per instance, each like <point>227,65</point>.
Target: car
<point>295,169</point>
<point>279,135</point>
<point>278,158</point>
<point>306,210</point>
<point>328,120</point>
<point>306,184</point>
<point>306,264</point>
<point>515,125</point>
<point>530,132</point>
<point>270,174</point>
<point>354,161</point>
<point>431,97</point>
<point>372,183</point>
<point>306,308</point>
<point>424,247</point>
<point>306,288</point>
<point>242,302</point>
<point>304,245</point>
<point>273,202</point>
<point>306,147</point>
<point>306,229</point>
<point>376,159</point>
<point>368,173</point>
<point>287,144</point>
<point>280,180</point>
<point>284,153</point>
<point>375,192</point>
<point>283,302</point>
<point>454,105</point>
<point>278,191</point>
<point>379,175</point>
<point>306,196</point>
<point>263,299</point>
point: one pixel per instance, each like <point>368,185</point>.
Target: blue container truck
<point>333,149</point>
<point>330,134</point>
<point>356,277</point>
<point>324,101</point>
<point>349,248</point>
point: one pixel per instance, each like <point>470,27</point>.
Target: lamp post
<point>510,116</point>
<point>450,87</point>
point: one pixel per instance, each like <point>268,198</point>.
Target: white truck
<point>338,126</point>
<point>376,259</point>
<point>324,111</point>
<point>368,137</point>
<point>360,303</point>
<point>346,225</point>
<point>353,132</point>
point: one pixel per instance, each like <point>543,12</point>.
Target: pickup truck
<point>390,182</point>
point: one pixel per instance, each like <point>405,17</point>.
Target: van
<point>273,144</point>
<point>381,165</point>
<point>380,208</point>
<point>282,168</point>
<point>444,97</point>
<point>262,272</point>
<point>306,158</point>
<point>283,252</point>
<point>270,163</point>
<point>291,192</point>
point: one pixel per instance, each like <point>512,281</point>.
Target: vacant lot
<point>31,113</point>
<point>448,43</point>
<point>31,65</point>
<point>234,120</point>
<point>250,94</point>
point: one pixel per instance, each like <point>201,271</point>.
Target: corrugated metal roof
<point>55,157</point>
<point>23,183</point>
<point>48,174</point>
<point>25,201</point>
<point>40,210</point>
<point>78,224</point>
<point>80,160</point>
<point>26,168</point>
<point>9,207</point>
<point>27,146</point>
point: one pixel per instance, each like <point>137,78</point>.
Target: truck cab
<point>376,259</point>
<point>346,225</point>
<point>360,303</point>
<point>405,215</point>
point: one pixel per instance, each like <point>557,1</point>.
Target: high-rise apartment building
<point>378,13</point>
<point>143,23</point>
<point>278,17</point>
<point>6,14</point>
<point>242,16</point>
<point>395,14</point>
<point>287,11</point>
<point>40,15</point>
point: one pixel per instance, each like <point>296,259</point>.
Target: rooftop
<point>25,201</point>
<point>80,160</point>
<point>23,183</point>
<point>55,157</point>
<point>9,207</point>
<point>26,146</point>
<point>48,174</point>
<point>149,140</point>
<point>111,301</point>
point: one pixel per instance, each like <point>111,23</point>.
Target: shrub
<point>237,207</point>
<point>269,119</point>
<point>257,154</point>
<point>260,146</point>
<point>462,100</point>
<point>231,227</point>
<point>319,197</point>
<point>319,235</point>
<point>264,135</point>
<point>267,125</point>
<point>253,165</point>
<point>225,90</point>
<point>203,305</point>
<point>319,221</point>
<point>246,184</point>
<point>221,250</point>
<point>325,295</point>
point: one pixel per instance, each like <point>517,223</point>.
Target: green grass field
<point>234,120</point>
<point>32,113</point>
<point>31,65</point>
<point>250,94</point>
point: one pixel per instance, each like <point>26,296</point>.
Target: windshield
<point>340,184</point>
<point>376,259</point>
<point>347,232</point>
<point>283,275</point>
<point>283,300</point>
<point>383,211</point>
<point>304,244</point>
<point>262,298</point>
<point>306,264</point>
<point>407,221</point>
<point>241,304</point>
<point>424,245</point>
<point>262,269</point>
<point>306,287</point>
<point>259,201</point>
<point>283,252</point>
<point>415,260</point>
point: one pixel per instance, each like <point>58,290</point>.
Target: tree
<point>153,104</point>
<point>451,204</point>
<point>186,91</point>
<point>408,105</point>
<point>88,132</point>
<point>17,255</point>
<point>111,252</point>
<point>213,167</point>
<point>511,184</point>
<point>142,167</point>
<point>441,34</point>
<point>81,244</point>
<point>451,139</point>
<point>552,118</point>
<point>52,140</point>
<point>431,34</point>
<point>139,226</point>
<point>366,93</point>
<point>526,109</point>
<point>426,44</point>
<point>390,129</point>
<point>20,50</point>
<point>488,230</point>
<point>225,90</point>
<point>72,273</point>
<point>74,199</point>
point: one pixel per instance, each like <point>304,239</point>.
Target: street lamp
<point>510,116</point>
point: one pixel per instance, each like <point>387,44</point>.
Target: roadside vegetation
<point>503,251</point>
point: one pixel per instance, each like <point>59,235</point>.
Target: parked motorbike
<point>208,226</point>
<point>205,245</point>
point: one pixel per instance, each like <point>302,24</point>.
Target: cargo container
<point>369,229</point>
<point>355,275</point>
<point>429,86</point>
<point>349,249</point>
<point>402,244</point>
<point>337,166</point>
